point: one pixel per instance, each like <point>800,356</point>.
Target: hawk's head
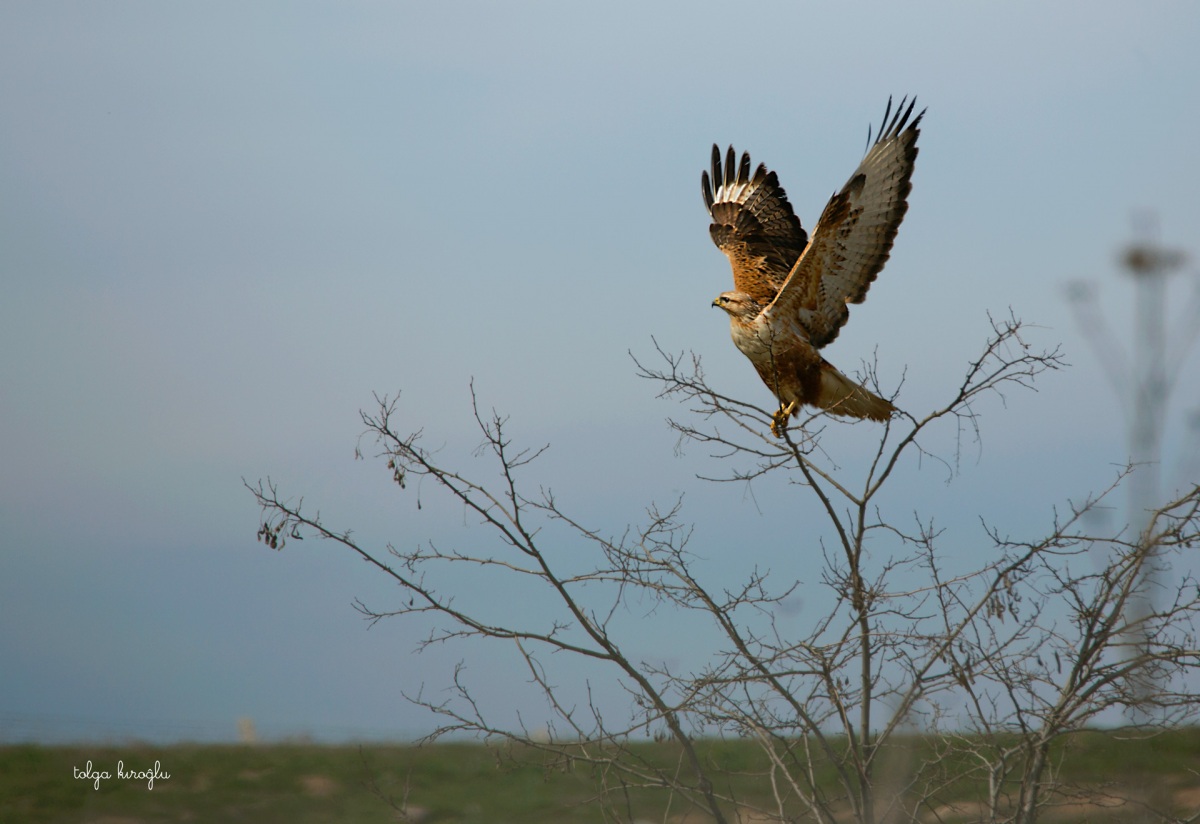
<point>739,305</point>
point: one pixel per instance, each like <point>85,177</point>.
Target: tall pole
<point>1147,265</point>
<point>1143,387</point>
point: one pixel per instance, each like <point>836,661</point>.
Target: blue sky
<point>225,225</point>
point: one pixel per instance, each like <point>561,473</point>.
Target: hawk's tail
<point>842,396</point>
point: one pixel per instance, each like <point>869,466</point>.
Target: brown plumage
<point>791,295</point>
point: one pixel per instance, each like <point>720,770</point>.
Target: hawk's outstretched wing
<point>853,238</point>
<point>752,223</point>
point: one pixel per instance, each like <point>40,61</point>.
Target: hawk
<point>791,294</point>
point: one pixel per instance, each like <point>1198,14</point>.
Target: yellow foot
<point>780,419</point>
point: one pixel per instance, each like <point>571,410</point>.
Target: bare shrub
<point>949,696</point>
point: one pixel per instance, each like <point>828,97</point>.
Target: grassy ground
<point>472,783</point>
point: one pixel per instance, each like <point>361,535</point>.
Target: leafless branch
<point>914,681</point>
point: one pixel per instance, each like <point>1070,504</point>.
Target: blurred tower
<point>1144,385</point>
<point>1150,388</point>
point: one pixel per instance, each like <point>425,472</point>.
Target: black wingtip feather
<point>893,124</point>
<point>709,186</point>
<point>727,174</point>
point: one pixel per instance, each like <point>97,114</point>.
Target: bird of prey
<point>791,295</point>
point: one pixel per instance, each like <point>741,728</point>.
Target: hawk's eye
<point>724,299</point>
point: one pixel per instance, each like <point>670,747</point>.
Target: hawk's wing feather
<point>753,224</point>
<point>854,236</point>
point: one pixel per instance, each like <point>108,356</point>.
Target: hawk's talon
<point>780,418</point>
